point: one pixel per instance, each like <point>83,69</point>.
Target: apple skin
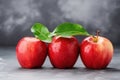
<point>31,52</point>
<point>63,52</point>
<point>96,55</point>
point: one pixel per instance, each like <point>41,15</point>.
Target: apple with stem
<point>96,52</point>
<point>31,52</point>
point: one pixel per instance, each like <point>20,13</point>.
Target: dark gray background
<point>17,17</point>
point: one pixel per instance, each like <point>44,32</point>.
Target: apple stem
<point>95,38</point>
<point>97,33</point>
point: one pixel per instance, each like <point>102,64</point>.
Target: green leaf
<point>41,32</point>
<point>69,29</point>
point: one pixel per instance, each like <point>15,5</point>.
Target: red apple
<point>96,52</point>
<point>31,52</point>
<point>63,52</point>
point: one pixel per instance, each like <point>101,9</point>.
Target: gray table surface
<point>10,69</point>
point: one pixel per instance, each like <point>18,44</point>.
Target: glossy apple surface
<point>31,52</point>
<point>63,52</point>
<point>96,52</point>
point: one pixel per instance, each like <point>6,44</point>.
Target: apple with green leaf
<point>96,52</point>
<point>63,48</point>
<point>31,52</point>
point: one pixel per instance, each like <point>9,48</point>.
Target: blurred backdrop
<point>17,17</point>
